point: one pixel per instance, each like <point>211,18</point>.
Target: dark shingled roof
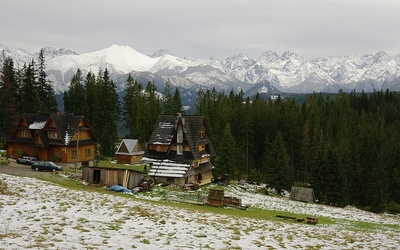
<point>66,126</point>
<point>165,131</point>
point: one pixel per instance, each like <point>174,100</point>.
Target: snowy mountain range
<point>270,73</point>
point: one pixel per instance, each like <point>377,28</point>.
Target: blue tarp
<point>118,188</point>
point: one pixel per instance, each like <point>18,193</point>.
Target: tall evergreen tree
<point>106,114</point>
<point>74,100</point>
<point>8,99</point>
<point>227,160</point>
<point>29,100</point>
<point>279,174</point>
<point>150,112</point>
<point>166,100</point>
<point>132,106</point>
<point>90,97</point>
<point>171,102</point>
<point>177,102</point>
<point>48,102</point>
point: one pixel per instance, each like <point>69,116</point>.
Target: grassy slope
<point>252,212</point>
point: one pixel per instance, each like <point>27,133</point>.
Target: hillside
<point>42,215</point>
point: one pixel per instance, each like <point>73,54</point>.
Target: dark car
<point>45,165</point>
<point>27,160</point>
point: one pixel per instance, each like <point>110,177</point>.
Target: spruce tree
<point>28,96</point>
<point>177,102</point>
<point>74,100</point>
<point>106,114</point>
<point>132,106</point>
<point>151,110</point>
<point>90,96</point>
<point>227,160</point>
<point>279,174</point>
<point>48,102</point>
<point>8,99</point>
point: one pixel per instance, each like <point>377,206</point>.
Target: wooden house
<point>63,138</point>
<point>129,152</point>
<point>179,150</point>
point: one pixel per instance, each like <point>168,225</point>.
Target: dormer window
<point>52,134</point>
<point>202,134</point>
<point>24,133</point>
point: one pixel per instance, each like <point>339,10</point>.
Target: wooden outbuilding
<point>302,194</point>
<point>129,152</point>
<point>108,176</point>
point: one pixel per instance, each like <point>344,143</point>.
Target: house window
<point>87,152</point>
<point>73,153</point>
<point>202,134</point>
<point>25,133</point>
<point>202,147</point>
<point>52,134</point>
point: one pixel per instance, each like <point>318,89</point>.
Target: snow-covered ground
<point>40,215</point>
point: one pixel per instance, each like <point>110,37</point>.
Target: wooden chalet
<point>65,138</point>
<point>179,151</point>
<point>129,151</point>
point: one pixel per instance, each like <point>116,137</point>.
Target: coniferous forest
<point>345,146</point>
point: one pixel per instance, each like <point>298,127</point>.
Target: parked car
<point>27,160</point>
<point>45,165</point>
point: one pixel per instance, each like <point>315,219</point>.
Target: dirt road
<point>19,170</point>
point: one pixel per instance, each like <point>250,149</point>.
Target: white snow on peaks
<point>263,90</point>
<point>121,59</point>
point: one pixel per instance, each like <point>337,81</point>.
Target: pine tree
<point>106,114</point>
<point>166,101</point>
<point>29,100</point>
<point>74,99</point>
<point>132,106</point>
<point>171,102</point>
<point>279,174</point>
<point>151,110</point>
<point>177,102</point>
<point>48,103</point>
<point>8,99</point>
<point>90,97</point>
<point>227,160</point>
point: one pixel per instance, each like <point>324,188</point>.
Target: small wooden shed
<point>302,194</point>
<point>129,151</point>
<point>108,176</point>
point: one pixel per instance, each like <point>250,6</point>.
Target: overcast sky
<point>201,29</point>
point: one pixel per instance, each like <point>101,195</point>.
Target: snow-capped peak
<point>50,52</point>
<point>161,52</point>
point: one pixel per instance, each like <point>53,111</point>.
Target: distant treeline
<point>345,146</point>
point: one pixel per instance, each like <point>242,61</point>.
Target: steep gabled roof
<point>67,125</point>
<point>192,127</point>
<point>32,119</point>
<point>127,147</point>
<point>164,130</point>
